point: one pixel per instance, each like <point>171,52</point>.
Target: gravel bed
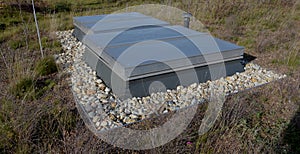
<point>106,111</point>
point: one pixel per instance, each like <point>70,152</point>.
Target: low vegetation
<point>23,87</point>
<point>38,113</point>
<point>46,66</point>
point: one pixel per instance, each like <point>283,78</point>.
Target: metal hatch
<point>112,22</point>
<point>196,49</point>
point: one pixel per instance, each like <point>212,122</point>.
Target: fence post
<point>37,29</point>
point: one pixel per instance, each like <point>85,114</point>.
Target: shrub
<point>46,66</point>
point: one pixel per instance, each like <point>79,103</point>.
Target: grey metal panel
<point>132,50</point>
<point>151,70</point>
<point>171,80</point>
<point>79,34</point>
<point>86,22</point>
<point>107,74</point>
<point>191,41</point>
<point>114,22</point>
<point>107,17</point>
<point>90,58</point>
<point>138,34</point>
<point>189,46</point>
<point>159,44</point>
<point>102,26</point>
<point>140,87</point>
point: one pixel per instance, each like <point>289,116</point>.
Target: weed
<point>46,66</point>
<point>293,59</point>
<point>16,44</point>
<point>23,87</point>
<point>8,136</point>
<point>43,86</point>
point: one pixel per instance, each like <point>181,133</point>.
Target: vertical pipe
<point>187,19</point>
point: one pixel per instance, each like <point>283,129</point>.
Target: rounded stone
<point>88,108</point>
<point>113,104</point>
<point>104,101</point>
<point>133,116</point>
<point>96,118</point>
<point>102,86</point>
<point>126,111</point>
<point>107,89</point>
<point>91,114</point>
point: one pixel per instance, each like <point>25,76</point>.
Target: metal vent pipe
<point>187,19</point>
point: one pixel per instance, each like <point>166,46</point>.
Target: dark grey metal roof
<point>114,22</point>
<point>131,50</point>
<point>151,50</point>
<point>107,17</point>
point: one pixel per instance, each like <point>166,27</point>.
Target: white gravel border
<point>105,111</point>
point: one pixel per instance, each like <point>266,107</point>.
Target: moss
<point>46,66</point>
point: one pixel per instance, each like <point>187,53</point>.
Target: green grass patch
<point>8,136</point>
<point>41,87</point>
<point>23,87</point>
<point>16,44</point>
<point>28,88</point>
<point>293,60</point>
<point>9,32</point>
<point>62,6</point>
<point>46,66</point>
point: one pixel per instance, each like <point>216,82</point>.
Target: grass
<point>38,113</point>
<point>46,66</point>
<point>23,87</point>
